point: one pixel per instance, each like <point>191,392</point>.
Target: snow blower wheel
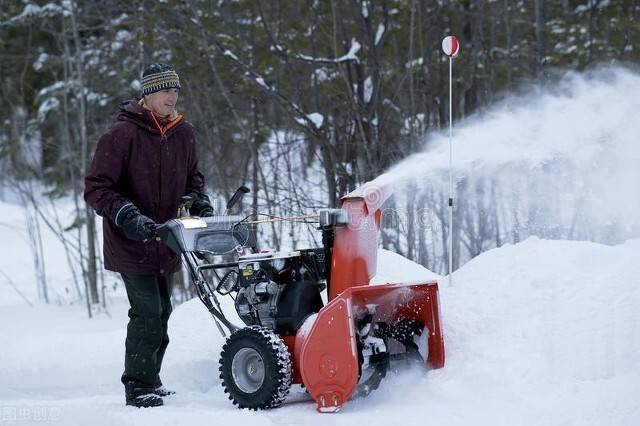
<point>255,368</point>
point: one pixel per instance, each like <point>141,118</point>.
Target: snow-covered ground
<point>542,332</point>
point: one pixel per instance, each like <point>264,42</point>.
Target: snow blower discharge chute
<point>338,350</point>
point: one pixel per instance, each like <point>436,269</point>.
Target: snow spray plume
<point>563,162</point>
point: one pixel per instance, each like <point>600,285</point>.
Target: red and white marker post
<point>450,47</point>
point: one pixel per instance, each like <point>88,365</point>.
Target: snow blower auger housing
<point>337,351</point>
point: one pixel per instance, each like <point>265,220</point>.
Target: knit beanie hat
<point>157,77</point>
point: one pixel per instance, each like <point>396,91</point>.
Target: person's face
<point>162,102</point>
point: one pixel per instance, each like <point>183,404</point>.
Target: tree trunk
<point>540,20</point>
<point>91,270</point>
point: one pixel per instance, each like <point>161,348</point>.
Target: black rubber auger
<point>403,332</point>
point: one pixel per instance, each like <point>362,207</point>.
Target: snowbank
<point>393,268</point>
<point>545,332</point>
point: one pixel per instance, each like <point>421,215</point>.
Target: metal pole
<point>450,46</point>
<point>450,171</point>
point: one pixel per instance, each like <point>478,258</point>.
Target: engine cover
<point>279,290</point>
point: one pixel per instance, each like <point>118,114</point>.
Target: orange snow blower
<point>337,351</point>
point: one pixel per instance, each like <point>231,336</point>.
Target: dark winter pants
<point>147,339</point>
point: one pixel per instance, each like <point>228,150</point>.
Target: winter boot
<point>141,397</point>
<point>163,391</point>
<point>160,390</point>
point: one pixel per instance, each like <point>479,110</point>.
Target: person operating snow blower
<point>142,167</point>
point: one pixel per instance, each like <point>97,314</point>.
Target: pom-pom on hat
<point>158,77</point>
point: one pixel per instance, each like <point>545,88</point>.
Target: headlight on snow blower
<point>192,222</point>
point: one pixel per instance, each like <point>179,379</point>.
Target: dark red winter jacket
<point>133,161</point>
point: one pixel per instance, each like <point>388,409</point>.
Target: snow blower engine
<point>338,350</point>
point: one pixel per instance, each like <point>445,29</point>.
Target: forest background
<point>300,100</point>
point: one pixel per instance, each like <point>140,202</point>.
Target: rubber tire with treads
<point>276,361</point>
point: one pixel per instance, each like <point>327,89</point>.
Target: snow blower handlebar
<point>184,236</point>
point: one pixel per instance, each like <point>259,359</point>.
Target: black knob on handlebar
<point>237,196</point>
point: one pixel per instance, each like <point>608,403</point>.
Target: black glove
<point>134,224</point>
<point>200,206</point>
